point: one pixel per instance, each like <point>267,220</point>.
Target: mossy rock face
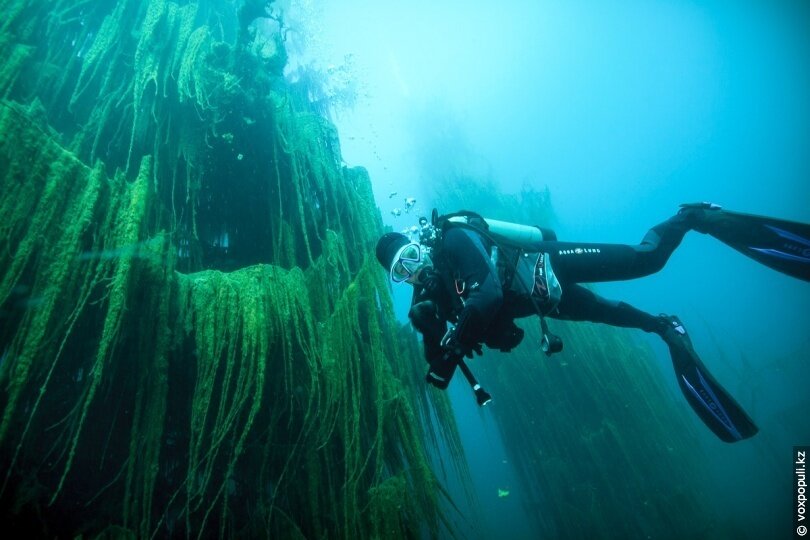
<point>195,337</point>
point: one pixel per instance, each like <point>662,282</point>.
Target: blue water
<point>623,110</point>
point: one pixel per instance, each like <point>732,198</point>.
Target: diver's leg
<point>581,304</point>
<point>713,404</point>
<point>576,262</point>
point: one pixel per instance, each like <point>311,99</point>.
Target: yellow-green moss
<point>163,400</point>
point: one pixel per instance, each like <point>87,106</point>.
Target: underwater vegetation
<point>194,339</point>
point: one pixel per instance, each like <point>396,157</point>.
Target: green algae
<point>156,383</point>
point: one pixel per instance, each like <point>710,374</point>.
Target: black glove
<point>450,342</point>
<point>504,336</point>
<point>424,317</point>
<point>442,370</point>
<point>452,346</point>
<point>430,281</point>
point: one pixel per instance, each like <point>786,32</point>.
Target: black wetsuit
<point>471,295</point>
<point>481,297</point>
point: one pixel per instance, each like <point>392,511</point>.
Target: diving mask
<point>408,261</point>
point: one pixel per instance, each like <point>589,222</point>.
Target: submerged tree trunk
<point>195,339</point>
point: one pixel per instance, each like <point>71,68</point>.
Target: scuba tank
<point>514,234</point>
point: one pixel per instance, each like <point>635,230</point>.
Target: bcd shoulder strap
<point>532,268</point>
<point>523,271</point>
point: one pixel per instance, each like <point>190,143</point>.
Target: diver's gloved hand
<point>429,279</point>
<point>453,347</point>
<point>441,371</point>
<point>451,344</point>
<point>476,348</point>
<point>504,336</point>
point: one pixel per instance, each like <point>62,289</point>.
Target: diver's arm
<point>478,282</point>
<point>424,316</point>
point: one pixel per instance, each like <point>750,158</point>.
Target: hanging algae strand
<point>149,391</point>
<point>126,232</point>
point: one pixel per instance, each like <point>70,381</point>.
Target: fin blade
<point>711,402</point>
<point>777,243</point>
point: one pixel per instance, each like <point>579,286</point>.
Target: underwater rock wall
<point>195,339</point>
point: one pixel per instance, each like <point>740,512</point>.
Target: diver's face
<point>408,264</point>
<point>414,279</point>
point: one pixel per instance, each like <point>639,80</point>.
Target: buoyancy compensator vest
<point>516,252</point>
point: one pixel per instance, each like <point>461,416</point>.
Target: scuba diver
<point>474,276</point>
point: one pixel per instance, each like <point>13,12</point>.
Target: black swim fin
<point>718,410</point>
<point>777,243</point>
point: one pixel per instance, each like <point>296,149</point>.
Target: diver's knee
<point>651,258</point>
